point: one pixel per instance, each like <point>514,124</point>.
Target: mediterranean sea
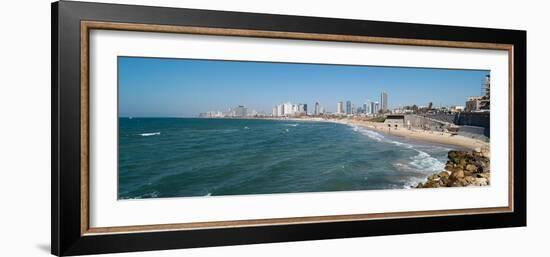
<point>188,157</point>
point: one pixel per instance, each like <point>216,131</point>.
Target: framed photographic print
<point>177,128</point>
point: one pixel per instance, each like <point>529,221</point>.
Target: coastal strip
<point>437,137</point>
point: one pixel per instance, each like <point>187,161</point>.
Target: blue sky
<point>157,87</point>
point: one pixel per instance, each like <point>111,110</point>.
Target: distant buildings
<point>480,103</point>
<point>280,110</point>
<point>456,108</point>
<point>348,107</point>
<point>375,107</point>
<point>384,102</point>
<point>235,112</point>
<point>214,114</point>
<point>473,103</point>
<point>317,110</point>
<point>302,108</point>
<point>239,111</point>
<point>288,109</point>
<point>340,108</point>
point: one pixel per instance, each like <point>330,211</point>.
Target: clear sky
<point>157,87</point>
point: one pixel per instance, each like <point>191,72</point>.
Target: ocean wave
<point>369,133</point>
<point>150,134</point>
<point>422,162</point>
<point>291,125</point>
<point>426,163</point>
<point>412,182</point>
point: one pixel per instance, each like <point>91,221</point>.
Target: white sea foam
<point>413,181</point>
<point>292,125</point>
<point>379,137</point>
<point>369,133</point>
<point>149,134</point>
<point>426,163</point>
<point>422,163</point>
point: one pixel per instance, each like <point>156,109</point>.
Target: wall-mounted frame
<point>92,43</point>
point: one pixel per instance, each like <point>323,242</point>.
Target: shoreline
<point>412,134</point>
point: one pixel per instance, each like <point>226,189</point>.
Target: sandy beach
<point>414,134</point>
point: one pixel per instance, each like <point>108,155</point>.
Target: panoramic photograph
<point>207,128</point>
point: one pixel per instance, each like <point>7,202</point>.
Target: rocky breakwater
<point>463,168</point>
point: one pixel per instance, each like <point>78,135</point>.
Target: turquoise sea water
<point>182,157</point>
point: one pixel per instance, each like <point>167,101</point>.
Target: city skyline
<point>190,87</point>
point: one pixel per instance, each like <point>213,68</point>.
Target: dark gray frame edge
<point>66,238</point>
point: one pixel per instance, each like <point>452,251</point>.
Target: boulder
<point>462,168</point>
<point>469,179</point>
<point>481,182</point>
<point>471,168</point>
<point>457,174</point>
<point>444,174</point>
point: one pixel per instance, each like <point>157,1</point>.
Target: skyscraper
<point>287,109</point>
<point>340,107</point>
<point>348,107</point>
<point>317,110</point>
<point>295,108</point>
<point>280,110</point>
<point>305,109</point>
<point>384,101</point>
<point>372,108</point>
<point>376,107</point>
<point>365,108</point>
<point>301,108</point>
<point>239,111</point>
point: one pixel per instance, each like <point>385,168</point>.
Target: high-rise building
<point>376,107</point>
<point>295,109</point>
<point>239,111</point>
<point>372,107</point>
<point>340,107</point>
<point>305,109</point>
<point>384,101</point>
<point>348,107</point>
<point>366,108</point>
<point>274,111</point>
<point>317,109</point>
<point>280,110</point>
<point>300,108</point>
<point>288,109</point>
<point>353,110</point>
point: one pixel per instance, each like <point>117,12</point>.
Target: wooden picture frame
<point>71,25</point>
